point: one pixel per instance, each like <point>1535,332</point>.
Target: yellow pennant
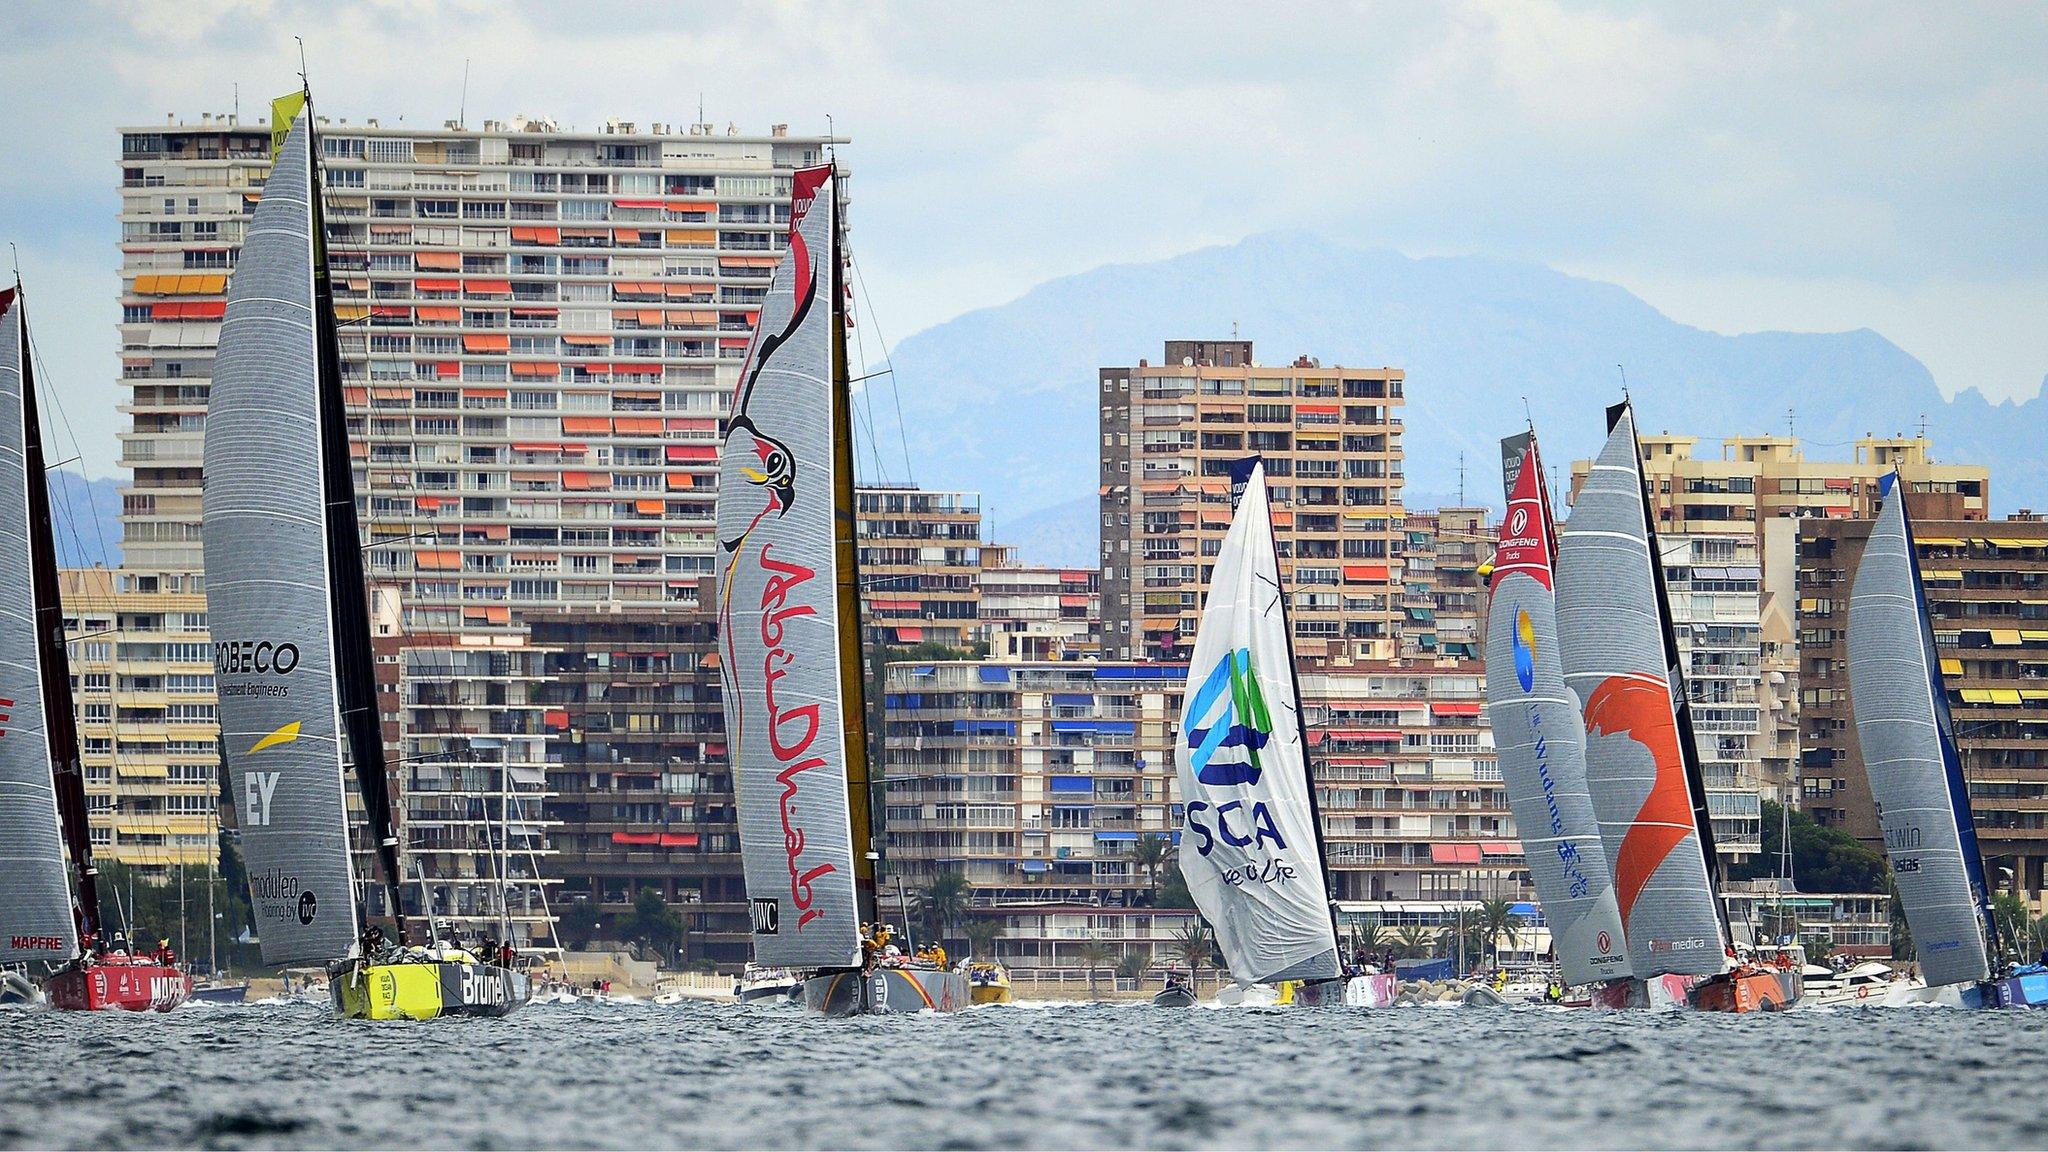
<point>283,111</point>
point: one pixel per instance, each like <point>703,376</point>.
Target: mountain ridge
<point>1001,400</point>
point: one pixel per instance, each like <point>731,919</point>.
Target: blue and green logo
<point>1229,711</point>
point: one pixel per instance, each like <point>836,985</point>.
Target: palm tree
<point>981,938</point>
<point>1413,940</point>
<point>1498,918</point>
<point>1132,965</point>
<point>1370,938</point>
<point>1094,955</point>
<point>944,901</point>
<point>1152,854</point>
<point>1193,945</point>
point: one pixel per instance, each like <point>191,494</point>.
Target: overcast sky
<point>1806,166</point>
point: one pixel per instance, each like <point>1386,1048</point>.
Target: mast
<point>1688,746</point>
<point>60,721</point>
<point>1240,475</point>
<point>853,693</point>
<point>354,665</point>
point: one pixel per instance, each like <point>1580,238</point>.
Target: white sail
<point>35,889</point>
<point>1249,847</point>
<point>1618,657</point>
<point>1909,753</point>
<point>269,597</point>
<point>780,630</point>
<point>1541,740</point>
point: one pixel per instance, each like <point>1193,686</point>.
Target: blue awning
<point>1116,835</point>
<point>1142,672</point>
<point>1031,865</point>
<point>1072,700</point>
<point>1072,783</point>
<point>994,674</point>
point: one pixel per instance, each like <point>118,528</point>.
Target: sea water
<point>1055,1075</point>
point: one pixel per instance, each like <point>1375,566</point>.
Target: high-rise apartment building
<point>540,331</point>
<point>1716,614</point>
<point>1760,478</point>
<point>1331,441</point>
<point>1443,597</point>
<point>142,681</point>
<point>1035,780</point>
<point>1987,598</point>
<point>920,565</point>
<point>640,787</point>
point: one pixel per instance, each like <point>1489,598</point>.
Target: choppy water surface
<point>1082,1075</point>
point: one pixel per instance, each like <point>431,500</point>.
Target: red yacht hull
<point>137,984</point>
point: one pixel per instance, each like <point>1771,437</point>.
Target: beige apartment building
<point>1762,478</point>
<point>142,681</point>
<point>920,565</point>
<point>1331,441</point>
<point>1443,597</point>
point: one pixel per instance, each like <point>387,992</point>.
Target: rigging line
<point>60,491</point>
<point>867,400</point>
<point>895,393</point>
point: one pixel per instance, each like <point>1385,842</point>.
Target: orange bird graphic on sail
<point>1641,710</point>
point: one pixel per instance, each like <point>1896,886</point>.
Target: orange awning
<point>690,317</point>
<point>437,285</point>
<point>637,425</point>
<point>1365,573</point>
<point>582,341</point>
<point>626,235</point>
<point>542,371</point>
<point>538,235</point>
<point>437,261</point>
<point>487,287</point>
<point>586,481</point>
<point>438,561</point>
<point>649,507</point>
<point>453,315</point>
<point>486,342</point>
<point>587,425</point>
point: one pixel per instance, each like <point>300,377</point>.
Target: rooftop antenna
<point>1922,434</point>
<point>238,101</point>
<point>1461,479</point>
<point>462,109</point>
<point>700,106</point>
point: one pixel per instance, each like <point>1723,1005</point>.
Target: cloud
<point>1747,166</point>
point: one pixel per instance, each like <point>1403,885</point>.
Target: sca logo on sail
<point>1229,712</point>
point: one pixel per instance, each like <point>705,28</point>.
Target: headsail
<point>1613,635</point>
<point>1909,752</point>
<point>1250,848</point>
<point>780,612</point>
<point>270,601</point>
<point>1539,734</point>
<point>35,889</point>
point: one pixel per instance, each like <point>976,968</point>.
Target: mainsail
<point>1250,847</point>
<point>271,602</point>
<point>1541,739</point>
<point>35,890</point>
<point>1620,658</point>
<point>1909,752</point>
<point>787,617</point>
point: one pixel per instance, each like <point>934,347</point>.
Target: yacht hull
<point>1374,991</point>
<point>886,991</point>
<point>426,991</point>
<point>1765,991</point>
<point>117,982</point>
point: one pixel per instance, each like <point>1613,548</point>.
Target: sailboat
<point>1539,736</point>
<point>1916,775</point>
<point>49,895</point>
<point>288,606</point>
<point>1642,765</point>
<point>789,626</point>
<point>1252,842</point>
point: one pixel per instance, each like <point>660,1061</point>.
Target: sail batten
<point>270,593</point>
<point>781,608</point>
<point>1909,755</point>
<point>1539,738</point>
<point>35,889</point>
<point>1250,848</point>
<point>1619,660</point>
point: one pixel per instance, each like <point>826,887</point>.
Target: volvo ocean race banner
<point>1249,847</point>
